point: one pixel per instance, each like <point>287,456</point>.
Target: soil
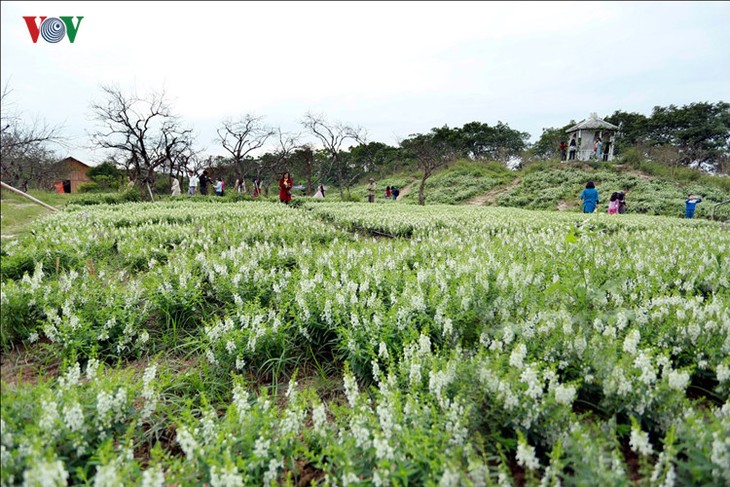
<point>405,190</point>
<point>490,197</point>
<point>564,205</point>
<point>27,365</point>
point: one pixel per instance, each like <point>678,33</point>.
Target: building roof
<point>592,122</point>
<point>72,159</point>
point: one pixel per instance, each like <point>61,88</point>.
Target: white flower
<point>187,442</point>
<point>153,477</point>
<point>723,373</point>
<point>73,415</point>
<point>91,368</point>
<point>639,442</point>
<point>518,355</point>
<point>319,418</point>
<point>565,394</point>
<point>45,473</point>
<point>351,390</point>
<point>49,416</point>
<point>207,423</point>
<point>271,474</point>
<point>631,341</point>
<point>261,448</point>
<point>526,456</point>
<point>228,477</point>
<point>107,475</point>
<point>678,380</point>
<point>71,378</point>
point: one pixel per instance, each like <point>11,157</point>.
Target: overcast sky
<point>393,68</point>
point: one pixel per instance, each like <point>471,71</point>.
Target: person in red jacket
<point>285,185</point>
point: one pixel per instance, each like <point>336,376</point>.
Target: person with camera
<point>286,183</point>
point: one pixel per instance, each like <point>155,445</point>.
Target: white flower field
<point>230,344</point>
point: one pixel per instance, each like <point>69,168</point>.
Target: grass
<point>17,213</point>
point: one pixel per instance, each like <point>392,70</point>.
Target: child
<point>613,204</point>
<point>219,187</point>
<point>622,200</point>
<point>387,192</point>
<point>690,203</point>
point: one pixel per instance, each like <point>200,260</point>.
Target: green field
<point>251,343</point>
<point>16,212</point>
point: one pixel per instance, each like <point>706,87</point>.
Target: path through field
<point>491,196</point>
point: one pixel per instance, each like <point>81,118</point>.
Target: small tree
<point>240,138</point>
<point>430,154</point>
<point>333,136</point>
<point>107,176</point>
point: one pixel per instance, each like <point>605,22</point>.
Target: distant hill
<point>653,189</point>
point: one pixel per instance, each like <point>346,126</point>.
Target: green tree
<point>701,131</point>
<point>633,129</point>
<point>548,145</point>
<point>430,152</point>
<point>479,141</point>
<point>107,176</point>
<point>374,157</point>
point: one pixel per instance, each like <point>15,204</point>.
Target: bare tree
<point>277,162</point>
<point>144,131</point>
<point>303,158</point>
<point>243,136</point>
<point>333,136</point>
<point>25,149</point>
<point>430,154</point>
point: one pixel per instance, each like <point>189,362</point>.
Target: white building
<point>587,133</point>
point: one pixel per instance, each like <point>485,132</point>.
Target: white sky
<point>393,68</point>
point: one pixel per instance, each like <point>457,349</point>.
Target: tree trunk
<point>422,189</point>
<point>309,179</point>
<point>340,181</point>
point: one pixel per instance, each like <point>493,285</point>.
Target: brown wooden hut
<point>72,174</point>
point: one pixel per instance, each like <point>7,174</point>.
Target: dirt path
<point>406,189</point>
<point>491,196</point>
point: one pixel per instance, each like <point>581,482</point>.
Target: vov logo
<point>53,29</point>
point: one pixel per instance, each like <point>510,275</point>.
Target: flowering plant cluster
<point>348,344</point>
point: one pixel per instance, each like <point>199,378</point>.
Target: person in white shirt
<point>193,183</point>
<point>175,187</point>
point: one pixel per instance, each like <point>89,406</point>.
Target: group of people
<point>391,192</point>
<point>203,181</point>
<point>617,203</point>
<point>570,150</point>
<point>589,199</point>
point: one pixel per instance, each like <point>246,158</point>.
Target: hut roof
<point>592,122</point>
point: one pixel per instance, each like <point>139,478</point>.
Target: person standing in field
<point>622,200</point>
<point>613,204</point>
<point>219,187</point>
<point>175,187</point>
<point>371,191</point>
<point>193,184</point>
<point>599,149</point>
<point>563,150</point>
<point>571,149</point>
<point>689,205</point>
<point>257,187</point>
<point>320,192</point>
<point>395,192</point>
<point>387,192</point>
<point>285,185</point>
<point>204,181</point>
<point>589,198</point>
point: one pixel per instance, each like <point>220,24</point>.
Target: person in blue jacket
<point>589,198</point>
<point>689,205</point>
